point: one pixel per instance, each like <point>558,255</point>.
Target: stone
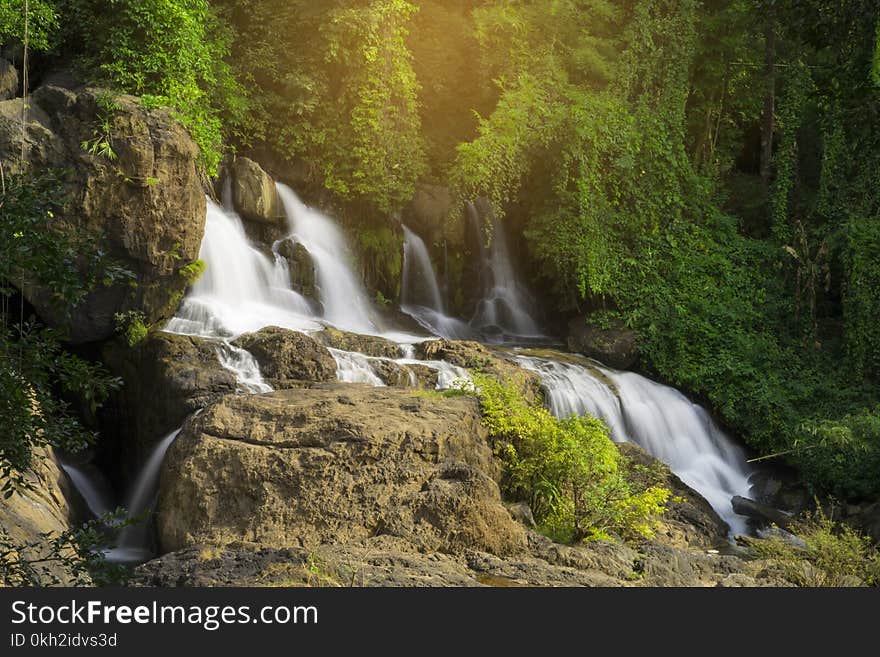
<point>286,356</point>
<point>8,80</point>
<point>254,194</point>
<point>300,468</point>
<point>146,206</point>
<point>42,508</point>
<point>615,345</point>
<point>763,514</point>
<point>301,268</point>
<point>370,345</point>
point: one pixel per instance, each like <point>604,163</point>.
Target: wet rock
<point>285,356</point>
<point>254,194</point>
<point>370,345</point>
<point>300,266</point>
<point>763,514</point>
<point>615,345</point>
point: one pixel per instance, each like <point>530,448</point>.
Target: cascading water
<point>420,296</point>
<point>505,307</point>
<point>659,419</point>
<point>241,289</point>
<point>96,500</point>
<point>133,545</point>
<point>345,301</point>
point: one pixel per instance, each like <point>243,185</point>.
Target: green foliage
<point>351,57</point>
<point>192,272</point>
<point>132,327</point>
<point>169,52</point>
<point>834,555</point>
<point>569,470</point>
<point>101,142</point>
<point>71,558</point>
<point>42,23</point>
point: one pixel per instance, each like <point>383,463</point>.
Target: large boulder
<point>254,193</point>
<point>146,203</point>
<point>8,80</point>
<point>614,344</point>
<point>335,463</point>
<point>288,356</point>
<point>38,509</point>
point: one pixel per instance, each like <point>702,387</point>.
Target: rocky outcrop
<point>475,356</point>
<point>689,520</point>
<point>39,509</point>
<point>301,268</point>
<point>8,80</point>
<point>132,181</point>
<point>254,194</point>
<point>167,377</point>
<point>615,345</point>
<point>761,514</point>
<point>370,345</point>
<point>430,213</point>
<point>286,357</point>
<point>336,463</point>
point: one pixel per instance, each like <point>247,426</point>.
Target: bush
<point>569,470</point>
<point>834,555</point>
<point>132,327</point>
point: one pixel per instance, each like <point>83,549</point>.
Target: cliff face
<point>131,177</point>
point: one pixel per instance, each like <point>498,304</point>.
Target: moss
<point>193,271</point>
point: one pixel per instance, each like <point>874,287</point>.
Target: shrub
<point>834,555</point>
<point>131,325</point>
<point>569,470</point>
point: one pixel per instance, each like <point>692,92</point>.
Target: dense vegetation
<point>707,172</point>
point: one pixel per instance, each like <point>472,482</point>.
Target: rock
<point>147,206</point>
<point>301,468</point>
<point>615,345</point>
<point>167,377</point>
<point>370,345</point>
<point>763,514</point>
<point>689,520</point>
<point>475,356</point>
<point>286,356</point>
<point>429,211</point>
<point>301,267</point>
<point>8,80</point>
<point>40,509</point>
<point>522,512</point>
<point>254,194</point>
<point>866,517</point>
<point>780,488</point>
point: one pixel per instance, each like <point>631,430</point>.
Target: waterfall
<point>419,285</point>
<point>345,301</point>
<point>420,296</point>
<point>134,541</point>
<point>241,363</point>
<point>657,418</point>
<point>505,306</point>
<point>241,289</point>
<point>96,500</point>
